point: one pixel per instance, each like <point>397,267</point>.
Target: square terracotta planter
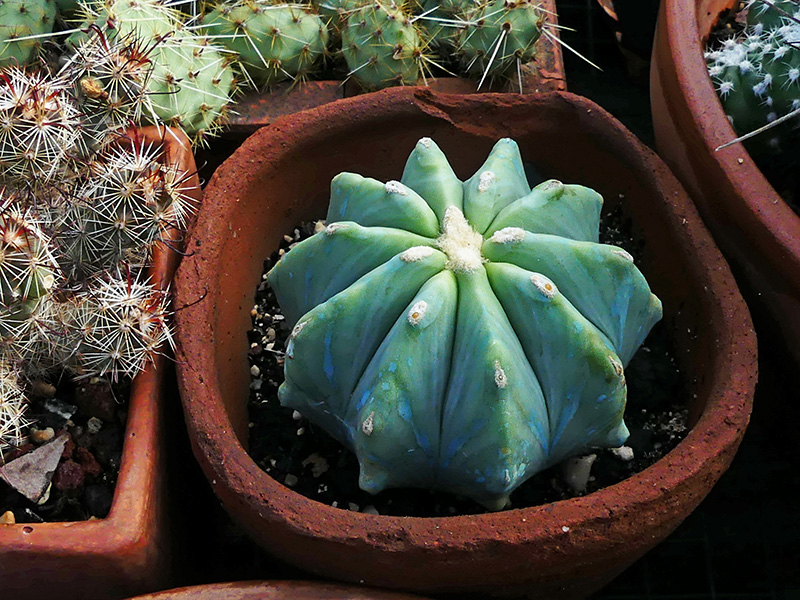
<point>255,109</point>
<point>755,229</point>
<point>128,551</point>
<point>281,176</point>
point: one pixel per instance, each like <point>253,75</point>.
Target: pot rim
<point>227,464</point>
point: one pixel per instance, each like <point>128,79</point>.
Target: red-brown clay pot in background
<point>277,590</point>
<point>281,176</point>
<point>754,227</point>
<point>128,551</point>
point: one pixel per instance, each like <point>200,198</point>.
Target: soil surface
<point>305,458</point>
<point>90,412</point>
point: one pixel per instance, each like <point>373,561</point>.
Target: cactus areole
<point>461,336</point>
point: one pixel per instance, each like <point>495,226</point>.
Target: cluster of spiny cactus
<point>129,61</point>
<point>757,72</point>
<point>497,344</point>
<point>378,42</point>
<point>83,202</point>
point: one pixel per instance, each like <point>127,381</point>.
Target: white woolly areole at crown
<point>460,242</point>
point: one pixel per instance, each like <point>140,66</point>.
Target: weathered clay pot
<point>256,109</point>
<point>128,551</point>
<point>754,227</point>
<point>281,176</point>
<point>276,590</point>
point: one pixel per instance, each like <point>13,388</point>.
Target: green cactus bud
<point>191,85</point>
<point>471,334</point>
<point>22,19</point>
<point>274,42</point>
<point>499,37</point>
<point>382,47</point>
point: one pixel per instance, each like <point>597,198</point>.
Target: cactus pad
<point>382,46</point>
<point>19,19</point>
<point>274,41</point>
<point>461,336</point>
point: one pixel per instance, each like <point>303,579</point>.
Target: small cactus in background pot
<point>461,336</point>
<point>274,41</point>
<point>757,73</point>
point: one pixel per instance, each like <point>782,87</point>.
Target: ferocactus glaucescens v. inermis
<point>461,336</point>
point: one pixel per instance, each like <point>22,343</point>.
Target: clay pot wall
<point>281,176</point>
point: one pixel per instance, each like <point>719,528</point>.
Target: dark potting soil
<point>305,458</point>
<point>92,416</point>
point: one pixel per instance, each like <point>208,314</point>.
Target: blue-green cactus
<point>461,336</point>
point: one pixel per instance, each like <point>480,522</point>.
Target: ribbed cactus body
<point>110,78</point>
<point>12,407</point>
<point>500,35</point>
<point>757,74</point>
<point>23,18</point>
<point>116,327</point>
<point>28,272</point>
<point>39,126</point>
<point>274,42</point>
<point>382,47</point>
<point>461,336</point>
<point>117,214</point>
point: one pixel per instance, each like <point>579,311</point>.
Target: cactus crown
<point>472,333</point>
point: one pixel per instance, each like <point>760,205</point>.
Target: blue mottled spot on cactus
<point>328,365</point>
<point>457,335</point>
<point>363,400</point>
<point>405,410</point>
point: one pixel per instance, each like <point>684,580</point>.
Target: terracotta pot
<point>127,552</point>
<point>754,227</point>
<point>281,176</point>
<point>256,109</point>
<point>276,590</point>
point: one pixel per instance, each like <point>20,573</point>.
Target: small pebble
<point>40,436</point>
<point>353,507</point>
<point>7,518</point>
<point>624,453</point>
<point>565,529</point>
<point>291,480</point>
<point>296,416</point>
<point>301,430</point>
<point>255,371</point>
<point>94,425</point>
<point>42,389</point>
<point>370,510</point>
